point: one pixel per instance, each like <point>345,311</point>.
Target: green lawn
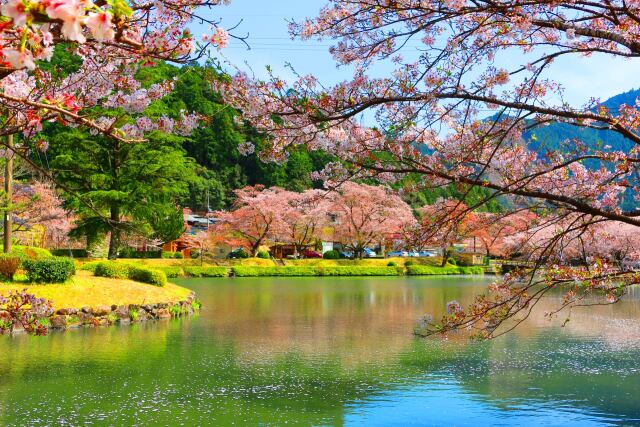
<point>84,289</point>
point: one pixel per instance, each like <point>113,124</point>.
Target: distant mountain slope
<point>551,137</point>
<point>560,136</point>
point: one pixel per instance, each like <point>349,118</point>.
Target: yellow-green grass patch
<point>84,289</point>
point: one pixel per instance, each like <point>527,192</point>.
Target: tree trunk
<point>254,248</point>
<point>114,241</point>
<point>445,257</point>
<point>8,188</point>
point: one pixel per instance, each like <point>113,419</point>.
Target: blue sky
<point>265,21</point>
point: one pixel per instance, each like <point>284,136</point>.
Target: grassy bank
<point>260,262</point>
<point>84,289</point>
<point>244,271</point>
<point>427,270</point>
<point>256,267</point>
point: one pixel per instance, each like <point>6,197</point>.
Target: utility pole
<point>8,188</point>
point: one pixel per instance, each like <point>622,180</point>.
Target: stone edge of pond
<point>105,315</point>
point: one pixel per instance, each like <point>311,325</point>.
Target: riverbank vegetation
<point>39,291</point>
<point>255,267</point>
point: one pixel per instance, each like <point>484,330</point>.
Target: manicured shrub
<point>168,254</point>
<point>29,252</point>
<point>391,264</point>
<point>206,271</point>
<point>72,253</point>
<point>357,270</point>
<point>195,254</point>
<point>477,269</point>
<point>178,255</point>
<point>452,261</point>
<point>238,253</point>
<point>136,254</point>
<point>291,270</point>
<point>171,271</point>
<point>301,271</point>
<point>409,263</point>
<point>429,270</point>
<point>148,275</point>
<point>333,254</point>
<point>9,264</point>
<point>112,269</point>
<point>90,266</point>
<point>264,255</point>
<point>120,270</point>
<point>49,270</point>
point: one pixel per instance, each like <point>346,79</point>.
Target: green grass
<point>427,270</point>
<point>255,267</point>
<point>248,271</point>
<point>358,270</point>
<point>300,271</point>
<point>208,271</point>
<point>84,289</point>
<point>172,271</point>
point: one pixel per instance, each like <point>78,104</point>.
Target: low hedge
<point>172,255</point>
<point>206,271</point>
<point>114,270</point>
<point>29,252</point>
<point>90,266</point>
<point>171,271</point>
<point>136,254</point>
<point>120,270</point>
<point>332,254</point>
<point>304,271</point>
<point>290,270</point>
<point>358,270</point>
<point>49,270</point>
<point>147,275</point>
<point>73,253</point>
<point>428,270</point>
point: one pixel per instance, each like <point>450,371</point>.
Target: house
<point>184,246</point>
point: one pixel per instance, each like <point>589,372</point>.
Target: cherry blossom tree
<point>112,39</point>
<point>495,230</point>
<point>304,216</point>
<point>256,216</point>
<point>561,240</point>
<point>454,110</point>
<point>443,224</point>
<point>36,205</point>
<point>366,215</point>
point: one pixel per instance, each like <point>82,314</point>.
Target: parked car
<point>308,253</point>
<point>346,254</point>
<point>369,253</point>
<point>398,254</point>
<point>631,265</point>
<point>426,254</point>
<point>414,254</point>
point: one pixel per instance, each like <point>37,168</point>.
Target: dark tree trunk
<point>445,257</point>
<point>8,188</point>
<point>114,241</point>
<point>255,247</point>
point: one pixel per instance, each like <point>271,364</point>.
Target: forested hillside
<point>561,136</point>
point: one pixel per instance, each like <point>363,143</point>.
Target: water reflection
<point>327,352</point>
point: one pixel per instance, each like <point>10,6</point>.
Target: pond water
<point>328,351</point>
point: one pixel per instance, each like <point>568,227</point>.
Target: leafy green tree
<point>122,188</point>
